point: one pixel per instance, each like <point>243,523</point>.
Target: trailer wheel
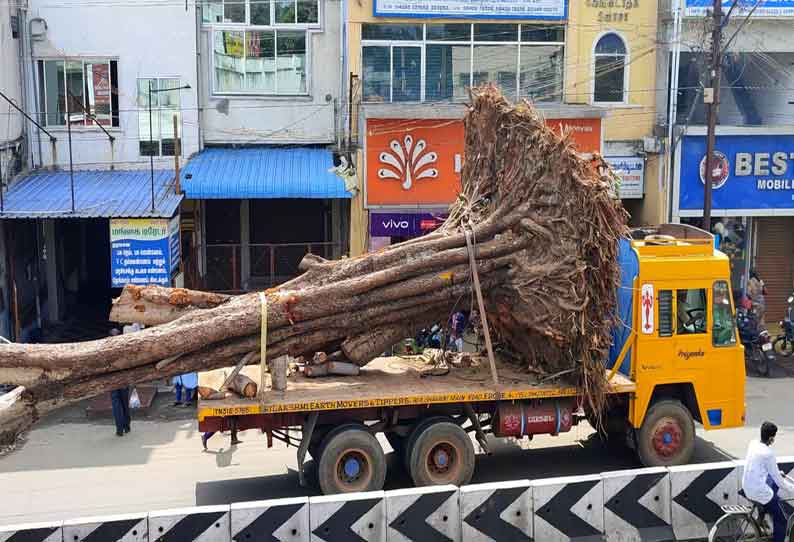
<point>408,445</point>
<point>667,435</point>
<point>351,460</point>
<point>442,453</point>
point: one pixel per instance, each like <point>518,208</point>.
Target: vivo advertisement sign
<point>489,9</point>
<point>765,8</point>
<point>755,173</point>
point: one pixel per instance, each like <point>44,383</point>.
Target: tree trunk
<point>545,230</point>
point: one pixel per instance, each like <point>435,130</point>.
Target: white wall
<point>10,121</point>
<point>149,40</point>
<point>279,120</point>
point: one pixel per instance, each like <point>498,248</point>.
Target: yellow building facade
<point>588,65</point>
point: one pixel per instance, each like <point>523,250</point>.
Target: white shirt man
<point>762,479</point>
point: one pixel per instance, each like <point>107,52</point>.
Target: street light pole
<point>713,105</point>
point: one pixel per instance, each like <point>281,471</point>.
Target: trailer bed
<point>388,382</point>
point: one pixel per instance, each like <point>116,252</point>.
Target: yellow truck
<point>675,360</point>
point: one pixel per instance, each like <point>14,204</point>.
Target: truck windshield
<point>723,331</point>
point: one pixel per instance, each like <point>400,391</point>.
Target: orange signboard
<point>414,162</point>
<point>586,133</point>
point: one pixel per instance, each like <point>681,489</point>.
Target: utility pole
<point>712,98</point>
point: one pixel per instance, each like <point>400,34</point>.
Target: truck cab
<point>684,355</point>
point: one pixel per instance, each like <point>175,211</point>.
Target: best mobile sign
<point>755,172</point>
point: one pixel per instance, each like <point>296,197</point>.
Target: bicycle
<point>742,523</point>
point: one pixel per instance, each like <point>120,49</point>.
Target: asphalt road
<point>69,467</point>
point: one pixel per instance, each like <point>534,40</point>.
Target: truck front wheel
<point>351,460</point>
<point>667,435</point>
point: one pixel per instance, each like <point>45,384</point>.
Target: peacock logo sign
<point>408,162</point>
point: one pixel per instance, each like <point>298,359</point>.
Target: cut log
<point>243,385</point>
<point>544,228</point>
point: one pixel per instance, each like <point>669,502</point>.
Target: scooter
<point>759,354</point>
<point>784,343</point>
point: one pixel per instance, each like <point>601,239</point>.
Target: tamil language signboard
<point>631,170</point>
<point>142,250</point>
<point>490,9</point>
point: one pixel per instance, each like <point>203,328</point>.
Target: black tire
<point>351,460</point>
<point>418,428</point>
<point>667,435</point>
<point>783,346</point>
<point>442,453</point>
<point>735,528</point>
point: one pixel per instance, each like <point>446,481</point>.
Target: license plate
<point>766,347</point>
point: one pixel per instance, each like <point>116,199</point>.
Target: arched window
<point>609,80</point>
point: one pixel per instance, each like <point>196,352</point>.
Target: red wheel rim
<point>667,437</point>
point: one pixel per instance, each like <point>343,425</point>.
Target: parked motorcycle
<point>784,343</point>
<point>759,353</point>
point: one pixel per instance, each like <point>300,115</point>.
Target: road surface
<point>70,467</point>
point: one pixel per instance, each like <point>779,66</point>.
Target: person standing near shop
<point>120,404</point>
<point>756,290</point>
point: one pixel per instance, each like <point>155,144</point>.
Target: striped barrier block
<point>354,517</point>
<point>569,508</point>
<point>697,493</point>
<point>496,511</point>
<point>276,520</point>
<point>199,524</point>
<point>32,532</point>
<point>425,514</point>
<point>637,505</point>
<point>125,528</point>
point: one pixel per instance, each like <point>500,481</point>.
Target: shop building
<point>583,64</point>
<point>752,203</point>
<point>262,193</point>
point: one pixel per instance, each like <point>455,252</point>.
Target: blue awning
<point>97,194</point>
<point>261,173</point>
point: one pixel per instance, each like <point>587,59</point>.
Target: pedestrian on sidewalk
<point>189,383</point>
<point>120,404</point>
<point>756,290</point>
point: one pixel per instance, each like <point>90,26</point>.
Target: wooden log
<point>152,305</point>
<point>243,385</point>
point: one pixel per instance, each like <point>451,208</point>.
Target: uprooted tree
<point>545,230</point>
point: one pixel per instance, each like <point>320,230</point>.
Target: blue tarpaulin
<point>629,269</point>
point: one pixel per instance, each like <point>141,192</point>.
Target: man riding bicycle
<point>762,479</point>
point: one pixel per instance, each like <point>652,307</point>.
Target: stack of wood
<point>540,220</point>
<point>323,364</point>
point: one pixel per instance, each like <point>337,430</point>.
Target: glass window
<point>406,74</point>
<point>541,72</point>
<point>260,62</point>
<point>723,330</point>
<point>497,64</point>
<point>260,12</point>
<point>609,79</point>
<point>495,32</point>
<point>402,32</point>
<point>291,62</point>
<point>285,11</point>
<point>212,11</point>
<point>376,62</point>
<point>447,70</point>
<point>83,91</point>
<point>156,137</point>
<point>542,34</point>
<point>233,11</point>
<point>448,32</point>
<point>308,12</point>
<point>691,311</point>
<point>665,300</point>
